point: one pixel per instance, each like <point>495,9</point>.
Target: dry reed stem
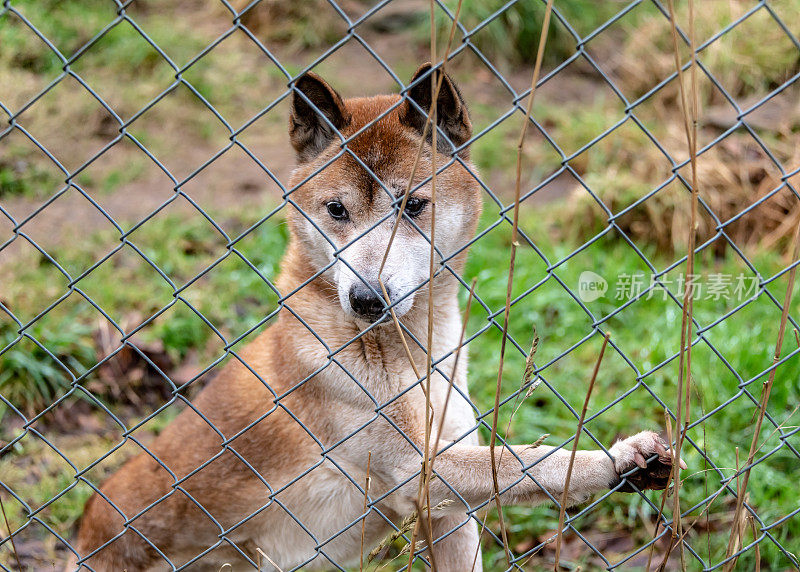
<point>428,525</point>
<point>364,520</point>
<point>514,232</point>
<point>722,488</point>
<point>405,526</point>
<point>10,536</point>
<point>526,378</point>
<point>429,474</point>
<point>758,551</point>
<point>707,508</point>
<point>421,145</point>
<point>780,426</point>
<point>735,524</point>
<point>440,428</point>
<point>425,525</point>
<point>765,392</point>
<point>264,554</point>
<point>562,511</point>
<point>685,358</point>
<point>431,120</point>
<point>668,428</point>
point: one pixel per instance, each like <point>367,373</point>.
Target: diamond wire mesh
<point>176,390</point>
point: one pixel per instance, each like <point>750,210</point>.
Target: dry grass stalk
<point>364,520</point>
<point>526,379</point>
<point>690,111</point>
<point>268,559</point>
<point>668,428</point>
<point>520,145</point>
<point>428,475</point>
<point>431,120</point>
<point>734,174</point>
<point>405,527</point>
<point>562,510</point>
<point>724,484</point>
<point>723,487</point>
<point>10,537</point>
<point>440,428</point>
<point>424,483</point>
<point>755,537</point>
<point>736,525</point>
<point>765,392</point>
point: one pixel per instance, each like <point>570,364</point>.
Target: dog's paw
<point>638,451</point>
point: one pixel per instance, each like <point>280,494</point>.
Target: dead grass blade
<point>364,520</point>
<point>452,378</point>
<point>10,536</point>
<point>514,235</point>
<point>405,527</point>
<point>668,428</point>
<point>424,483</point>
<point>431,121</point>
<point>765,392</point>
<point>562,511</point>
<point>527,376</point>
<point>268,559</point>
<point>755,536</point>
<point>689,113</point>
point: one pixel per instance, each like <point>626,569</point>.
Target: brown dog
<point>269,462</point>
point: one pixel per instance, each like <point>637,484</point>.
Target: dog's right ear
<point>451,110</point>
<point>312,130</point>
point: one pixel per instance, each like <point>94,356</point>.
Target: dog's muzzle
<point>366,302</point>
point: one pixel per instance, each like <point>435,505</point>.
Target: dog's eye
<point>414,206</point>
<point>337,210</point>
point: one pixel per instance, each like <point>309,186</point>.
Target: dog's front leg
<point>456,545</point>
<point>467,470</point>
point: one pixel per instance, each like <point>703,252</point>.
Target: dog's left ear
<point>451,110</point>
<point>312,130</point>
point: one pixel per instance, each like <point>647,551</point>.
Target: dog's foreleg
<point>456,545</point>
<point>525,473</point>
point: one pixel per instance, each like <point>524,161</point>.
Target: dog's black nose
<point>365,302</point>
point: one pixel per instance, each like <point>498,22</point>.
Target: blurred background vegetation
<point>612,125</point>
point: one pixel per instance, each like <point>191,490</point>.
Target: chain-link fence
<point>766,165</point>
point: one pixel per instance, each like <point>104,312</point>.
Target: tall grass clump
<point>512,37</point>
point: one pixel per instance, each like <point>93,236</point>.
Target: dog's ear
<point>312,130</point>
<point>452,115</point>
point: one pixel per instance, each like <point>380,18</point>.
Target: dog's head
<point>349,196</point>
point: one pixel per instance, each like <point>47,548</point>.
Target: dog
<point>269,462</point>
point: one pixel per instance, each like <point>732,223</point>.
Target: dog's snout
<point>366,301</point>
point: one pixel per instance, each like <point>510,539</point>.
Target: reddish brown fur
<point>236,398</point>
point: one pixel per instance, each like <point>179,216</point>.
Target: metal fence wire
<point>76,474</point>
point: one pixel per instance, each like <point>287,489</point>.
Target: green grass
<point>647,333</point>
<point>23,179</point>
<point>234,299</point>
<point>513,36</point>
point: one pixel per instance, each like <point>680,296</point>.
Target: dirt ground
<point>232,178</point>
